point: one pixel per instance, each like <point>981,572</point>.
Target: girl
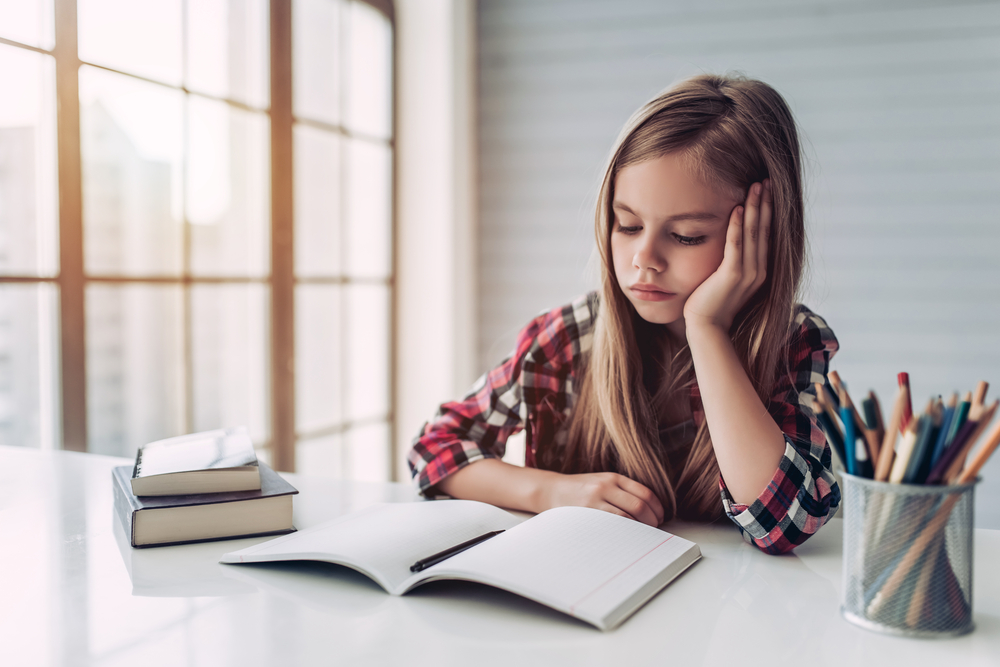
<point>691,370</point>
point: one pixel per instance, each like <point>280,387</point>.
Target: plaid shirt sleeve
<point>539,371</point>
<point>803,493</point>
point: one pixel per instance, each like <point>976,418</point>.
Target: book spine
<point>125,507</point>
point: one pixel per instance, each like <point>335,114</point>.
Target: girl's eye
<point>628,230</point>
<point>689,240</point>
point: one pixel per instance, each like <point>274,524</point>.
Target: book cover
<point>206,462</point>
<point>163,520</point>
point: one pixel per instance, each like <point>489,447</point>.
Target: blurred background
<point>321,218</point>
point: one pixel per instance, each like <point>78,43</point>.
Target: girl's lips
<point>644,293</point>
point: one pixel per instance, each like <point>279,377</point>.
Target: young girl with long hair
<point>689,375</point>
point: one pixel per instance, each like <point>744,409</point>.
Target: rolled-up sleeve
<point>803,494</point>
<point>539,371</point>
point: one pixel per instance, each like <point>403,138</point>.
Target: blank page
<point>385,540</point>
<point>582,561</point>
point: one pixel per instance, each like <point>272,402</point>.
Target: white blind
<point>898,105</point>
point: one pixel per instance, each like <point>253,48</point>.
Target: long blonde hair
<point>734,132</point>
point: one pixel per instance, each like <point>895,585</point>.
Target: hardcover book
<point>207,462</point>
<point>590,564</point>
<point>162,520</point>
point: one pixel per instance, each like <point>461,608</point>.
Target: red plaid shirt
<point>535,388</point>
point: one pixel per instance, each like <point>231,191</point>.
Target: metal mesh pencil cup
<point>908,557</point>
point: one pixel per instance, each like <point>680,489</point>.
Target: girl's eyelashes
<point>690,240</point>
<point>630,230</point>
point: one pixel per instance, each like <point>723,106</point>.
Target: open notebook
<point>586,563</point>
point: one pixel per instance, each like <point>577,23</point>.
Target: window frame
<point>71,278</point>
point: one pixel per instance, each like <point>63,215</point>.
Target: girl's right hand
<point>606,491</point>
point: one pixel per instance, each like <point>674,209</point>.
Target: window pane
<point>318,352</point>
<point>28,227</point>
<point>317,202</point>
<point>316,59</point>
<point>369,210</point>
<point>131,152</point>
<point>368,453</point>
<point>135,366</point>
<point>369,96</point>
<point>29,376</point>
<point>227,49</point>
<point>136,36</point>
<point>367,358</point>
<point>320,457</point>
<point>28,22</point>
<point>228,204</point>
<point>230,358</point>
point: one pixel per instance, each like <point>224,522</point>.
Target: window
<point>202,236</point>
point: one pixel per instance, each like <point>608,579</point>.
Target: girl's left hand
<point>744,265</point>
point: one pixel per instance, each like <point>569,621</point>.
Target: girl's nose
<point>647,258</point>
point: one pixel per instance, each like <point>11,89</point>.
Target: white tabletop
<point>73,593</point>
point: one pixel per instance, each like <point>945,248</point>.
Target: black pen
<point>425,563</point>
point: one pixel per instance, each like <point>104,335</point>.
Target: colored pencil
<point>984,418</point>
<point>869,441</point>
<point>979,397</point>
<point>946,418</point>
<point>904,381</point>
<point>887,452</point>
<point>937,473</point>
<point>971,471</point>
<point>922,450</point>
<point>850,440</point>
<point>905,449</point>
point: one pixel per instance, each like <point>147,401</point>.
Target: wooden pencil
<point>887,451</point>
<point>979,397</point>
<point>955,470</point>
<point>971,471</point>
<point>870,443</point>
<point>905,450</point>
<point>904,381</point>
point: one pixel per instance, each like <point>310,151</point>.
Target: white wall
<point>898,104</point>
<point>435,211</point>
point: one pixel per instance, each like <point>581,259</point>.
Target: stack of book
<point>199,487</point>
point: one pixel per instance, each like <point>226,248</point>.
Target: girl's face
<point>668,235</point>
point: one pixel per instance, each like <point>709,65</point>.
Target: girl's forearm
<point>748,443</point>
<point>502,484</point>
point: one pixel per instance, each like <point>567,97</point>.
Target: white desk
<point>72,593</point>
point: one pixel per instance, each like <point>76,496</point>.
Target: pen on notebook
<point>425,563</point>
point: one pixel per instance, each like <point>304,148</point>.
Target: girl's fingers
<point>611,509</point>
<point>751,229</point>
<point>632,505</point>
<point>733,254</point>
<point>644,494</point>
<point>766,212</point>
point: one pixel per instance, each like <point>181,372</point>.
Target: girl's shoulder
<point>809,330</point>
<point>559,336</point>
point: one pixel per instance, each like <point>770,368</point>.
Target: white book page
<point>385,540</point>
<point>582,561</point>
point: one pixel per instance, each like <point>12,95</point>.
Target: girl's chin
<point>659,313</point>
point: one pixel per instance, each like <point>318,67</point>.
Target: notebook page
<point>385,540</point>
<point>579,560</point>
